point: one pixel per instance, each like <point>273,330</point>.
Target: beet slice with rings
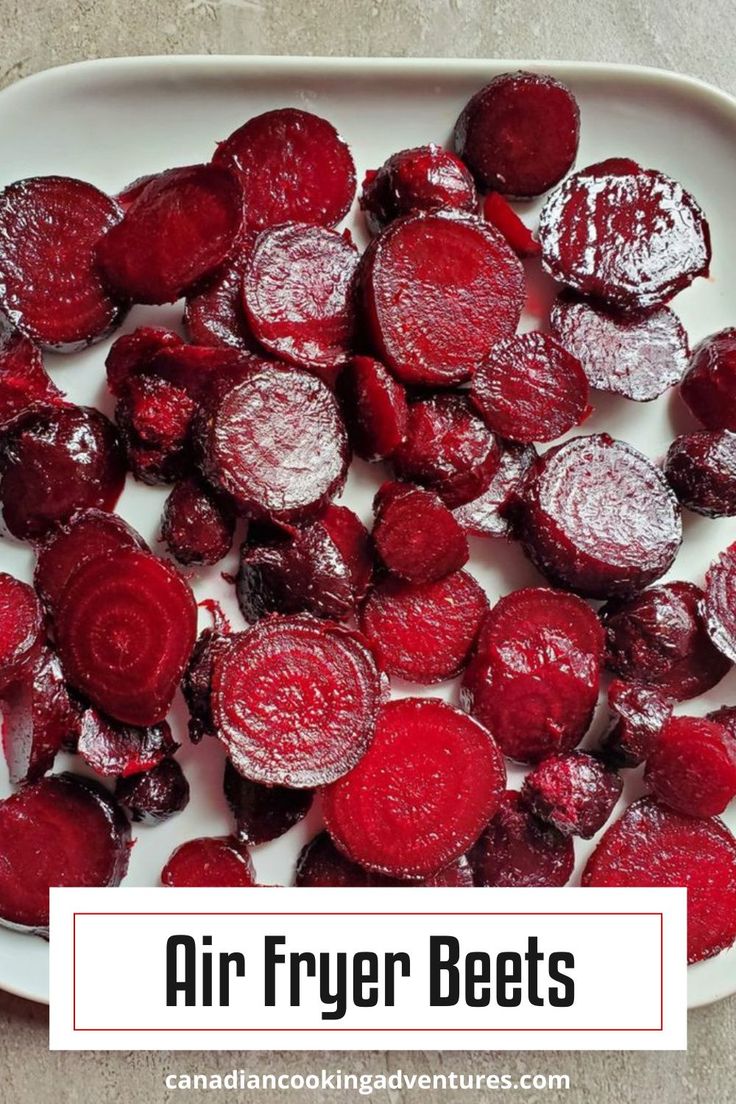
<point>635,355</point>
<point>328,689</point>
<point>130,354</point>
<point>426,178</point>
<point>23,378</point>
<point>59,831</point>
<point>417,537</point>
<point>457,778</point>
<point>21,627</point>
<point>196,685</point>
<point>294,167</point>
<point>631,238</point>
<point>374,406</point>
<point>529,388</point>
<point>651,845</point>
<point>516,850</point>
<point>50,287</point>
<point>125,626</point>
<point>597,517</point>
<point>719,607</point>
<point>197,526</point>
<point>709,385</point>
<point>692,767</point>
<point>575,793</point>
<point>638,714</point>
<point>484,516</point>
<point>155,420</point>
<point>263,813</point>
<point>209,862</point>
<point>519,134</point>
<point>462,290</point>
<point>215,315</point>
<point>115,750</point>
<point>178,231</point>
<point>701,469</point>
<point>57,460</point>
<point>39,718</point>
<point>321,866</point>
<point>155,796</point>
<point>499,212</point>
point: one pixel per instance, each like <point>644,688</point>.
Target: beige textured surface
<point>694,38</point>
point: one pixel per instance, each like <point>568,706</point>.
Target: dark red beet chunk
<point>598,517</point>
<point>638,714</point>
<point>531,389</point>
<point>153,797</point>
<point>276,444</point>
<point>692,767</point>
<point>181,228</point>
<point>115,750</point>
<point>209,862</point>
<point>427,178</point>
<point>49,284</point>
<point>574,793</point>
<point>328,690</point>
<point>215,314</point>
<point>201,371</point>
<point>196,684</point>
<point>352,540</point>
<point>155,420</point>
<point>631,238</point>
<point>320,866</point>
<point>294,167</point>
<point>499,212</point>
<point>457,778</point>
<point>39,717</point>
<point>60,831</point>
<point>635,355</point>
<point>461,289</point>
<point>417,537</point>
<point>719,606</point>
<point>132,353</point>
<point>263,813</point>
<point>55,461</point>
<point>709,385</point>
<point>23,378</point>
<point>653,846</point>
<point>125,627</point>
<point>374,405</point>
<point>517,851</point>
<point>198,525</point>
<point>701,469</point>
<point>21,627</point>
<point>726,717</point>
<point>483,516</point>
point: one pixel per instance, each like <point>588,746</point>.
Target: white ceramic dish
<point>111,121</point>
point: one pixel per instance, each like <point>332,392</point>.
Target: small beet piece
<point>125,628</point>
<point>201,371</point>
<point>531,389</point>
<point>651,845</point>
<point>21,627</point>
<point>461,289</point>
<point>320,865</point>
<point>709,385</point>
<point>115,750</point>
<point>426,178</point>
<point>374,405</point>
<point>701,469</point>
<point>417,537</point>
<point>263,813</point>
<point>638,714</point>
<point>719,608</point>
<point>60,831</point>
<point>155,418</point>
<point>328,690</point>
<point>23,378</point>
<point>518,851</point>
<point>597,517</point>
<point>352,540</point>
<point>215,315</point>
<point>636,355</point>
<point>132,353</point>
<point>692,767</point>
<point>484,516</point>
<point>155,796</point>
<point>197,525</point>
<point>575,793</point>
<point>39,718</point>
<point>49,284</point>
<point>209,862</point>
<point>499,212</point>
<point>196,684</point>
<point>294,167</point>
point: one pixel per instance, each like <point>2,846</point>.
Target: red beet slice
<point>499,212</point>
<point>692,767</point>
<point>427,178</point>
<point>21,627</point>
<point>631,238</point>
<point>457,777</point>
<point>574,793</point>
<point>424,632</point>
<point>719,607</point>
<point>197,525</point>
<point>328,691</point>
<point>374,405</point>
<point>461,288</point>
<point>635,355</point>
<point>277,444</point>
<point>125,627</point>
<point>448,449</point>
<point>517,850</point>
<point>352,540</point>
<point>209,862</point>
<point>709,385</point>
<point>155,421</point>
<point>196,684</point>
<point>531,389</point>
<point>215,314</point>
<point>263,813</point>
<point>155,796</point>
<point>132,353</point>
<point>201,371</point>
<point>653,846</point>
<point>320,865</point>
<point>597,517</point>
<point>23,378</point>
<point>519,135</point>
<point>417,537</point>
<point>701,469</point>
<point>55,461</point>
<point>114,750</point>
<point>181,228</point>
<point>39,717</point>
<point>60,831</point>
<point>49,284</point>
<point>638,714</point>
<point>294,167</point>
<point>483,516</point>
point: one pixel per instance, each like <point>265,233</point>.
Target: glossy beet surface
<point>709,385</point>
<point>374,407</point>
<point>209,862</point>
<point>215,315</point>
<point>21,627</point>
<point>39,718</point>
<point>197,525</point>
<point>196,683</point>
<point>417,537</point>
<point>484,516</point>
<point>718,608</point>
<point>131,353</point>
<point>692,767</point>
<point>701,469</point>
<point>638,714</point>
<point>426,178</point>
<point>156,795</point>
<point>155,421</point>
<point>320,865</point>
<point>115,750</point>
<point>517,850</point>
<point>574,793</point>
<point>262,813</point>
<point>23,378</point>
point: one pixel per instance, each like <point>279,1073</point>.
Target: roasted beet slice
<point>516,850</point>
<point>701,469</point>
<point>23,378</point>
<point>692,767</point>
<point>115,750</point>
<point>209,862</point>
<point>196,684</point>
<point>352,540</point>
<point>531,389</point>
<point>635,355</point>
<point>631,238</point>
<point>276,443</point>
<point>153,797</point>
<point>179,230</point>
<point>709,385</point>
<point>426,178</point>
<point>294,167</point>
<point>417,537</point>
<point>201,371</point>
<point>132,353</point>
<point>320,865</point>
<point>125,627</point>
<point>719,608</point>
<point>328,691</point>
<point>39,717</point>
<point>597,517</point>
<point>654,846</point>
<point>215,314</point>
<point>197,525</point>
<point>21,627</point>
<point>263,813</point>
<point>461,289</point>
<point>519,134</point>
<point>155,421</point>
<point>457,778</point>
<point>49,284</point>
<point>483,516</point>
<point>374,405</point>
<point>574,793</point>
<point>638,714</point>
<point>499,212</point>
<point>60,831</point>
<point>56,460</point>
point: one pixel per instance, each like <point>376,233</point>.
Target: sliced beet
<point>21,627</point>
<point>726,717</point>
<point>461,289</point>
<point>23,378</point>
<point>130,354</point>
<point>60,831</point>
<point>125,628</point>
<point>179,230</point>
<point>658,637</point>
<point>654,846</point>
<point>531,389</point>
<point>631,238</point>
<point>638,714</point>
<point>153,797</point>
<point>417,537</point>
<point>196,684</point>
<point>516,850</point>
<point>427,178</point>
<point>575,793</point>
<point>155,419</point>
<point>709,385</point>
<point>499,212</point>
<point>215,314</point>
<point>483,516</point>
<point>519,134</point>
<point>412,832</point>
<point>636,355</point>
<point>352,540</point>
<point>374,405</point>
<point>201,371</point>
<point>692,767</point>
<point>115,750</point>
<point>597,517</point>
<point>56,460</point>
<point>701,469</point>
<point>719,607</point>
<point>276,444</point>
<point>263,813</point>
<point>198,526</point>
<point>328,691</point>
<point>50,287</point>
<point>320,865</point>
<point>294,167</point>
<point>39,718</point>
<point>209,862</point>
